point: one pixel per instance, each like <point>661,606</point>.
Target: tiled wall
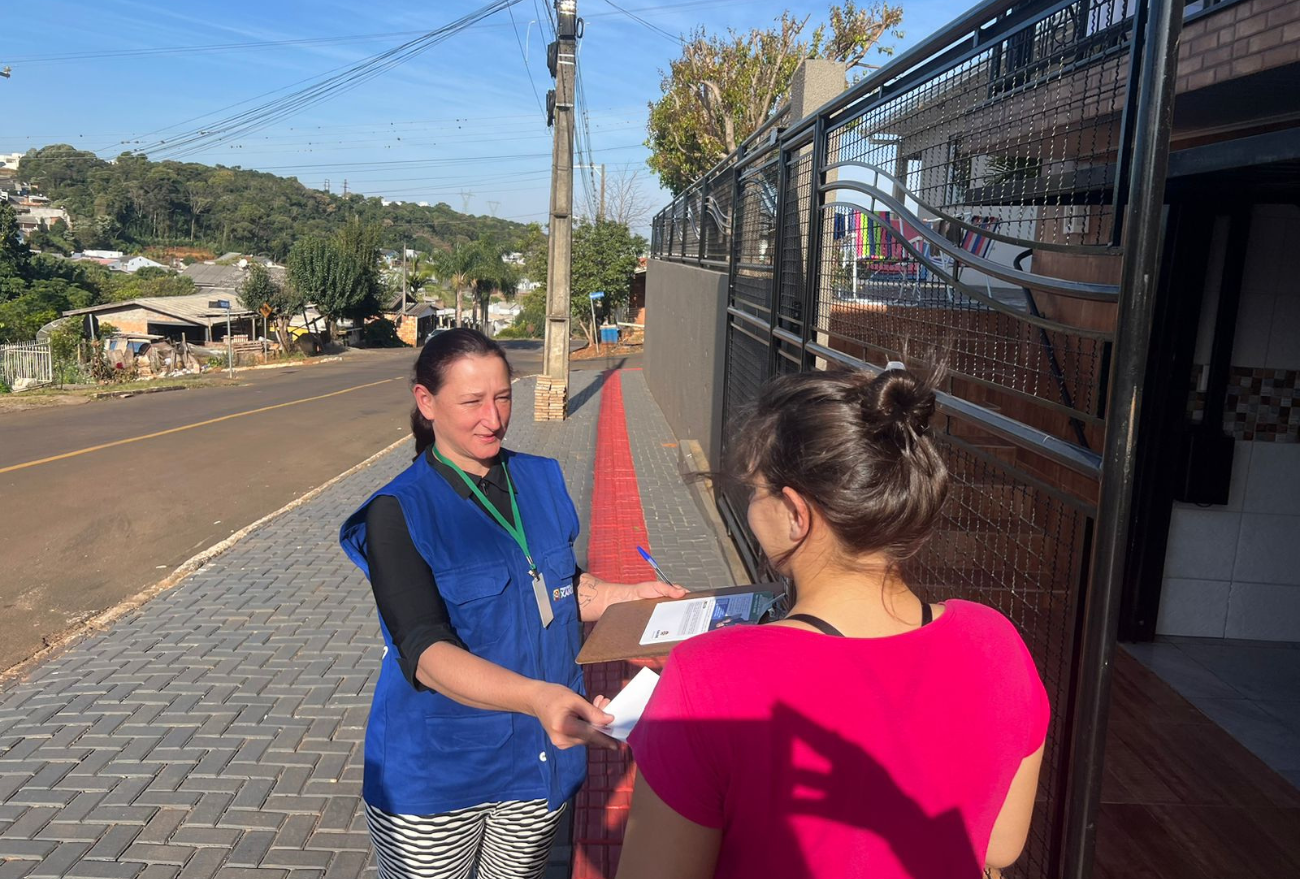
<point>1234,571</point>
<point>1261,405</point>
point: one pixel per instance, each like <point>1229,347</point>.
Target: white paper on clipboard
<point>679,620</point>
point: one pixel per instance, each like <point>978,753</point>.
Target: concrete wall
<point>685,345</point>
<point>1234,571</point>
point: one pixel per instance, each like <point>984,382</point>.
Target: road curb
<point>123,395</point>
<point>105,618</point>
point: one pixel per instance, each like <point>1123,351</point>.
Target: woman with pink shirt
<point>868,734</point>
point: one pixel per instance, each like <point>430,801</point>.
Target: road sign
<point>266,310</point>
<point>599,294</point>
<point>219,303</point>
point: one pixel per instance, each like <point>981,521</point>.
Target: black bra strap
<point>927,617</point>
<point>817,623</point>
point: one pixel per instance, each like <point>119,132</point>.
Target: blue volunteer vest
<point>426,753</point>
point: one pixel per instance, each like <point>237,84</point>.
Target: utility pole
<point>562,58</point>
<point>403,280</point>
<point>345,187</point>
<point>600,214</point>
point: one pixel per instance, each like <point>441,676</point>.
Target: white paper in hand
<point>628,705</point>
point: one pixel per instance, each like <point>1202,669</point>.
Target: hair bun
<point>898,403</point>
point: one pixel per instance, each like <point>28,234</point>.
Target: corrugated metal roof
<point>187,309</point>
<point>224,277</point>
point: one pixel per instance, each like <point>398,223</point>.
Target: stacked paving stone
<point>551,397</point>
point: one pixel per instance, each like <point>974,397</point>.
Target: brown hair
<point>438,353</point>
<point>854,446</point>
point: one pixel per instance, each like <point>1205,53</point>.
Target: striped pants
<point>508,840</point>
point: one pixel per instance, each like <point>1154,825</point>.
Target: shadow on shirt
<point>817,773</point>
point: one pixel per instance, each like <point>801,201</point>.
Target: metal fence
<point>26,364</point>
<point>969,197</point>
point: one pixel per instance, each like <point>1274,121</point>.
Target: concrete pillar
<point>815,83</point>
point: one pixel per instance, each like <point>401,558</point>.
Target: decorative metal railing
<point>968,198</point>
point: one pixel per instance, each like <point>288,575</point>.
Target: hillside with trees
<point>131,203</point>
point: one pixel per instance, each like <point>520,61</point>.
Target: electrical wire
<point>207,48</point>
<point>322,89</point>
<point>654,28</point>
<point>523,54</point>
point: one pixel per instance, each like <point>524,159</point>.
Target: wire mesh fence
<point>965,200</point>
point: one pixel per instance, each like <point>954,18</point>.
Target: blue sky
<point>460,118</point>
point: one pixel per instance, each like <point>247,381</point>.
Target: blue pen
<point>659,572</point>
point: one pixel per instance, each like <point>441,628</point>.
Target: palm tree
<point>476,267</point>
<point>456,269</point>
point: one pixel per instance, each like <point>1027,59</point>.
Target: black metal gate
<point>970,197</point>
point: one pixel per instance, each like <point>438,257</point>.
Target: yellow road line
<point>136,439</point>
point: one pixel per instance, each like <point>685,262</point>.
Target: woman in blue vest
<point>478,726</point>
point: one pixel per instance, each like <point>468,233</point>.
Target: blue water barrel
<point>609,335</point>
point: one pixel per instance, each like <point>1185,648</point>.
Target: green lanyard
<point>517,529</point>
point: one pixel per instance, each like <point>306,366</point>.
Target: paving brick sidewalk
<point>217,730</point>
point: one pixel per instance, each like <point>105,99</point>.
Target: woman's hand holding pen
<point>569,719</point>
<point>654,589</point>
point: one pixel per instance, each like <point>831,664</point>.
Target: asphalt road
<point>102,500</point>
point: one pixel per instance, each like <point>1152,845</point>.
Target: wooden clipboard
<point>617,635</point>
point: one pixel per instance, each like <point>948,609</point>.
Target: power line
<point>514,28</point>
<point>210,47</point>
<point>648,25</point>
<point>323,89</point>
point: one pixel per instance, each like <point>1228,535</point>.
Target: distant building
<point>173,317</point>
<point>45,216</point>
<point>10,160</point>
<point>134,264</point>
<point>103,254</point>
<point>218,281</point>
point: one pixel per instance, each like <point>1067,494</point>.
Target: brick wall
<point>1242,39</point>
<point>128,320</point>
<point>407,330</point>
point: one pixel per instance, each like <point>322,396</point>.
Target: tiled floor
<point>1250,688</point>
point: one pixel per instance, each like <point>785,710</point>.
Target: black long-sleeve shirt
<point>405,589</point>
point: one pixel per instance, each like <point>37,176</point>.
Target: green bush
<point>517,332</point>
<point>381,333</point>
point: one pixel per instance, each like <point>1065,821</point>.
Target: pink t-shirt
<point>827,757</point>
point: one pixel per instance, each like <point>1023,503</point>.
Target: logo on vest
<point>562,592</point>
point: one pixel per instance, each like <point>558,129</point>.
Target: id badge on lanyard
<point>515,530</point>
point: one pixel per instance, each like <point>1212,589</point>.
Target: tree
<point>605,255</point>
<point>150,283</point>
<point>723,87</point>
<point>627,202</point>
<point>468,268</point>
<point>340,274</point>
<point>133,201</point>
<point>358,245</point>
<point>15,255</point>
<point>492,273</point>
<point>259,287</point>
<point>65,344</point>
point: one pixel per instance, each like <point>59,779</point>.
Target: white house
<point>134,264</point>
